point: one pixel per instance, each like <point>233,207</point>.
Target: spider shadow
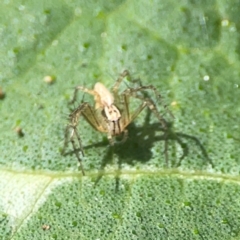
<point>141,140</point>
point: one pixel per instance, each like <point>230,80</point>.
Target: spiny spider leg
<point>75,149</point>
<point>73,122</point>
<point>88,112</point>
<point>132,92</point>
<point>119,80</point>
<point>138,89</point>
<point>90,116</point>
<point>123,100</point>
<point>74,132</point>
<point>125,114</point>
<point>83,89</point>
<point>150,87</point>
<point>150,104</point>
<point>93,119</point>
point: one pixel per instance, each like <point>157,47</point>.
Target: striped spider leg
<point>139,93</point>
<point>111,113</point>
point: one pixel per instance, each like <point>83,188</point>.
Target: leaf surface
<point>188,50</point>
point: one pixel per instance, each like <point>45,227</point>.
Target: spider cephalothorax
<point>104,101</point>
<point>107,116</point>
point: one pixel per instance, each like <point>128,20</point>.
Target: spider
<point>111,113</point>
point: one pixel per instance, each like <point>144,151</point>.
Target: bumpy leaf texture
<point>187,49</point>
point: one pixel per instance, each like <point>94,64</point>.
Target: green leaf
<point>188,50</point>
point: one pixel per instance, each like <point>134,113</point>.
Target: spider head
<point>113,117</point>
<point>112,113</point>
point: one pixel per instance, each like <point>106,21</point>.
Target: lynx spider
<point>111,113</point>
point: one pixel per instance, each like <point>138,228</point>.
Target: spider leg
<point>90,115</point>
<point>150,105</point>
<point>83,89</point>
<point>150,87</point>
<point>147,102</point>
<point>119,80</point>
<point>74,96</point>
<point>75,149</point>
<point>74,132</point>
<point>93,117</point>
<point>141,88</point>
<point>125,117</point>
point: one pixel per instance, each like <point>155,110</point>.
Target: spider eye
<point>112,113</point>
